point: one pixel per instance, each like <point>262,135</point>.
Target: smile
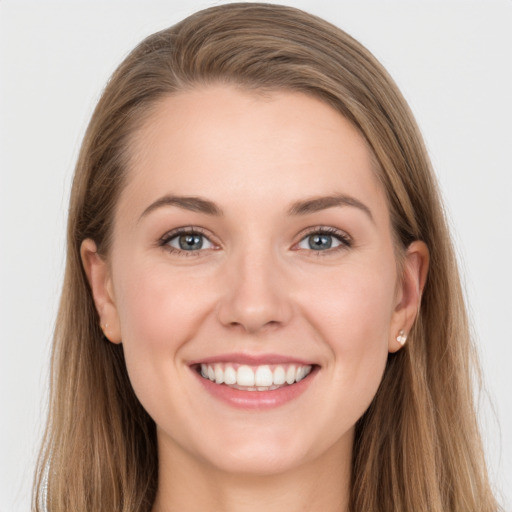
<point>254,378</point>
<point>255,382</point>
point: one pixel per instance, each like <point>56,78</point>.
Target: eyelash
<point>340,236</point>
<point>189,230</point>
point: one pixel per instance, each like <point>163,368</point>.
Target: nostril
<point>255,303</point>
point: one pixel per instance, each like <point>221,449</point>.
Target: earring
<point>402,337</point>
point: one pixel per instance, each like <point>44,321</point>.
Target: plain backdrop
<point>452,60</point>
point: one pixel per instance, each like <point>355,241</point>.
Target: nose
<point>256,295</point>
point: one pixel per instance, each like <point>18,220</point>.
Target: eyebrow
<point>316,204</point>
<point>194,204</point>
<point>304,207</point>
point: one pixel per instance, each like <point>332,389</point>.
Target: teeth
<point>245,376</point>
<point>219,374</point>
<point>279,376</point>
<point>290,374</point>
<point>263,376</point>
<point>257,378</point>
<point>229,375</point>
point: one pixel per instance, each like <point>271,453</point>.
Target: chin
<point>263,462</point>
<point>253,453</point>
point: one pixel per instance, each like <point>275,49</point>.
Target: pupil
<point>190,242</point>
<point>320,242</point>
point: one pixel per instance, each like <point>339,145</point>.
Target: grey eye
<point>190,242</point>
<point>319,242</point>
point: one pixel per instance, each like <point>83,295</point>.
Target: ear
<point>100,281</point>
<point>415,269</point>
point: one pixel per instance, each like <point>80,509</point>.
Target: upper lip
<point>251,359</point>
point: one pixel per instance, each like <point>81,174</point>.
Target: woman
<point>261,302</point>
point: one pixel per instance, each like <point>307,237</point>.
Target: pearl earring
<point>402,337</point>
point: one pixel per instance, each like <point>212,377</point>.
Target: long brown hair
<point>417,448</point>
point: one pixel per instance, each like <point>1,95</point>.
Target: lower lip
<point>257,399</point>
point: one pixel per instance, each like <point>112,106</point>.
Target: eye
<point>186,240</point>
<point>324,239</point>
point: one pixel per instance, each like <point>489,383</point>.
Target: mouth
<point>254,378</point>
<point>254,381</point>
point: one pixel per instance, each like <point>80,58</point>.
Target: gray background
<point>452,59</point>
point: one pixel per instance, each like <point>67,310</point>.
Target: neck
<point>187,484</point>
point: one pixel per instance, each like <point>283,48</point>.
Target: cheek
<point>351,310</point>
<point>158,307</point>
<point>354,320</point>
<point>159,312</point>
<point>355,301</point>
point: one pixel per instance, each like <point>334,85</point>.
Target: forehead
<point>238,146</point>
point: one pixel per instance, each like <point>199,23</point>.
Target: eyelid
<point>185,230</point>
<point>344,239</point>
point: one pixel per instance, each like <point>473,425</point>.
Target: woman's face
<point>252,244</point>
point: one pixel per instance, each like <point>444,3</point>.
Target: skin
<point>256,287</point>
